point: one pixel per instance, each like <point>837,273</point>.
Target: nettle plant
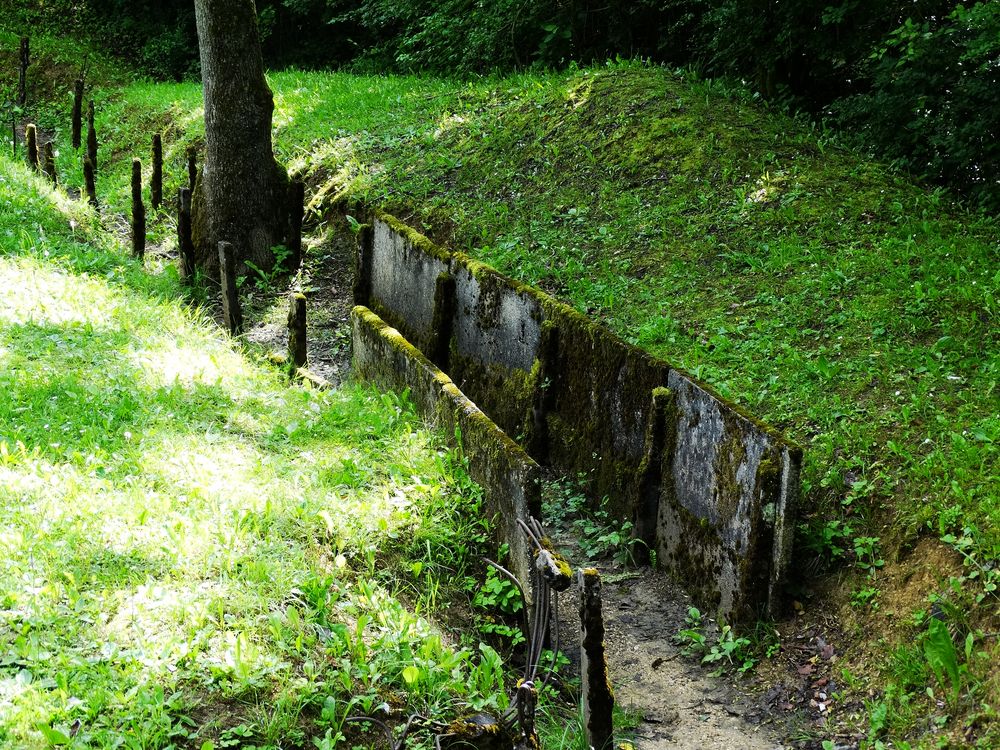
<point>726,650</point>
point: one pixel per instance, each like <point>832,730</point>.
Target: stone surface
<point>508,476</point>
<point>495,324</point>
<point>716,498</point>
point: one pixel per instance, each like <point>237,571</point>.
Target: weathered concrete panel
<point>508,476</point>
<point>402,280</point>
<point>721,514</point>
<point>495,335</point>
<point>716,499</point>
<point>495,322</point>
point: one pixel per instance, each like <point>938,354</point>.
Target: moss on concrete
<point>509,477</point>
<point>419,241</point>
<point>585,405</point>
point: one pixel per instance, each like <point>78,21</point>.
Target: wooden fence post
<point>50,163</point>
<point>297,353</point>
<point>232,314</point>
<point>22,80</point>
<point>77,112</point>
<point>31,136</point>
<point>156,180</point>
<point>88,180</point>
<point>192,157</point>
<point>138,213</point>
<point>91,135</point>
<point>598,700</point>
<point>185,246</point>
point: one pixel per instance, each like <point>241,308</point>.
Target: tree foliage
<point>914,77</point>
<point>932,102</point>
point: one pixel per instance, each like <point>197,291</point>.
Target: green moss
<point>479,731</point>
<point>689,563</point>
<point>419,241</point>
<point>561,570</point>
<point>506,394</point>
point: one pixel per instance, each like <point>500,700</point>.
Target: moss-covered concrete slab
<point>710,489</point>
<point>508,476</point>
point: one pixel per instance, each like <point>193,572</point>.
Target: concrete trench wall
<point>509,477</point>
<point>707,486</point>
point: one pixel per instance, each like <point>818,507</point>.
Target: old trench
<point>672,700</point>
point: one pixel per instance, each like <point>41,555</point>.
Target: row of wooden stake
<point>42,159</point>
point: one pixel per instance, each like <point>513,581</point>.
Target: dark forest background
<point>913,80</point>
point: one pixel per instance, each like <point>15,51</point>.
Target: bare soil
<point>679,705</point>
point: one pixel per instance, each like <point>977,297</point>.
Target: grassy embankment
<point>192,550</point>
<point>828,294</point>
<point>192,553</point>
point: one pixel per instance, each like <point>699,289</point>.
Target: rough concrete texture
<point>581,399</point>
<point>403,278</point>
<point>723,501</point>
<point>494,324</point>
<point>508,476</point>
<point>598,405</point>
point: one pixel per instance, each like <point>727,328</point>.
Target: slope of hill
<point>828,294</point>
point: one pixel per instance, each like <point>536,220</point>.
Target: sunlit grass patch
<point>179,528</point>
<point>31,292</point>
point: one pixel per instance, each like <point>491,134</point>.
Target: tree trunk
<point>240,195</point>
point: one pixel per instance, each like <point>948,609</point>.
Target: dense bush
<point>933,101</point>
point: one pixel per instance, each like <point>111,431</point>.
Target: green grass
<point>191,550</point>
<point>828,294</point>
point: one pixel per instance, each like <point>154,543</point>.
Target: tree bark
<point>240,194</point>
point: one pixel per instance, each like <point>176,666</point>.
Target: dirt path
<point>680,705</point>
<point>326,280</point>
